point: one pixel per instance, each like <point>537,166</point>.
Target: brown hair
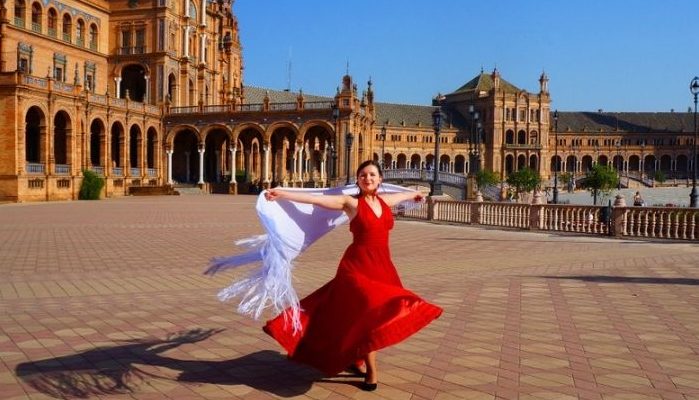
<point>368,163</point>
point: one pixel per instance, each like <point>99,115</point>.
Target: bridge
<point>453,185</point>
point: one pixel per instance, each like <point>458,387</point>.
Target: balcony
<point>99,170</point>
<point>36,27</point>
<point>117,171</point>
<point>130,50</point>
<point>52,32</point>
<point>35,168</point>
<point>62,169</point>
<point>80,42</point>
<point>134,171</point>
<point>66,37</point>
<point>19,21</point>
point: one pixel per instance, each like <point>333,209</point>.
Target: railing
<point>93,45</point>
<point>216,108</point>
<point>63,87</point>
<point>424,175</point>
<point>150,108</point>
<point>99,170</point>
<point>318,105</point>
<point>118,102</point>
<point>638,222</point>
<point>62,169</point>
<point>19,21</point>
<point>35,81</point>
<point>80,42</point>
<point>135,172</point>
<point>36,27</point>
<point>282,106</point>
<point>97,98</point>
<point>53,32</point>
<point>152,172</point>
<point>35,168</point>
<point>125,51</point>
<point>66,37</point>
<point>527,146</point>
<point>251,107</point>
<point>117,171</point>
<point>184,110</point>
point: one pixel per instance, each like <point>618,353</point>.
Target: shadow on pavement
<point>115,370</point>
<point>629,279</point>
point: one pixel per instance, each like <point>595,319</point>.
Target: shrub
<point>91,187</point>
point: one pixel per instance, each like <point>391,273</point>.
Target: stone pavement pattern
<point>106,300</point>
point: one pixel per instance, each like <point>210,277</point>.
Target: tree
<point>660,176</point>
<point>486,178</point>
<point>524,180</point>
<point>91,186</point>
<point>601,179</point>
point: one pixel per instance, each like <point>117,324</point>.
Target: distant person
<point>638,200</point>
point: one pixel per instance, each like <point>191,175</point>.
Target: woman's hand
<point>273,194</point>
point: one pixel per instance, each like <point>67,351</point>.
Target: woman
<point>638,200</point>
<point>364,307</point>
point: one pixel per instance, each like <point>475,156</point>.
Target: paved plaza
<point>107,300</point>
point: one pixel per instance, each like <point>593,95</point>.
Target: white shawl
<point>291,227</point>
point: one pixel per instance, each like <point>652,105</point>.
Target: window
<point>90,74</point>
<point>36,17</point>
<point>25,54</point>
<point>20,7</point>
<point>67,28</point>
<point>59,67</point>
<point>140,41</point>
<point>80,33</point>
<point>126,42</point>
<point>53,22</point>
<point>93,37</point>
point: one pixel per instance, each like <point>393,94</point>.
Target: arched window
<point>36,17</point>
<point>93,36</point>
<point>67,28</point>
<point>80,33</point>
<point>20,8</point>
<point>53,22</point>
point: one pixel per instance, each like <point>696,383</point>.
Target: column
<point>186,40</point>
<point>187,169</point>
<point>146,94</point>
<point>300,164</point>
<point>218,166</point>
<point>169,166</point>
<point>201,165</point>
<point>202,49</point>
<point>117,81</point>
<point>265,164</point>
<point>186,8</point>
<point>294,162</point>
<point>203,12</point>
<point>233,150</point>
<point>322,167</point>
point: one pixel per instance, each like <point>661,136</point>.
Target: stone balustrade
<point>674,223</point>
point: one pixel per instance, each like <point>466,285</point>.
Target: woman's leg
<point>371,373</point>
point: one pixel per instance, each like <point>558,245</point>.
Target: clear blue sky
<point>616,55</point>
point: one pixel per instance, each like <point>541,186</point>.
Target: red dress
<point>362,309</point>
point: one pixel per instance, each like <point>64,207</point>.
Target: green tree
<point>601,179</point>
<point>660,176</point>
<point>91,187</point>
<point>524,180</point>
<point>486,178</point>
<point>565,178</point>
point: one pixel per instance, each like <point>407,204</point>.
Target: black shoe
<point>354,370</point>
<point>368,387</point>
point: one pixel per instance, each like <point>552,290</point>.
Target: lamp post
<point>333,148</point>
<point>474,141</point>
<point>556,163</point>
<point>348,142</point>
<point>382,136</point>
<point>436,188</point>
<point>694,89</point>
<point>618,156</point>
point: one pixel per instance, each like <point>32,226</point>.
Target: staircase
<point>186,189</point>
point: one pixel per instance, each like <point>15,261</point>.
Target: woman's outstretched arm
<point>391,199</point>
<point>331,202</point>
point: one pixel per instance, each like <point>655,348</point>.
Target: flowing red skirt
<point>362,309</point>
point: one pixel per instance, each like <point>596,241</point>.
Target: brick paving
<point>106,300</point>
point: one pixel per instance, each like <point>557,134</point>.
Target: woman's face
<point>369,179</point>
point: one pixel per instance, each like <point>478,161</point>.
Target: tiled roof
<point>640,122</point>
<point>484,82</point>
<point>256,95</point>
<point>409,115</point>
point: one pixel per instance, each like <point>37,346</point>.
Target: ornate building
<point>149,93</point>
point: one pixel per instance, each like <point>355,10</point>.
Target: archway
<point>555,164</point>
<point>510,137</point>
<point>172,89</point>
<point>135,146</point>
<point>534,162</point>
<point>61,135</point>
<point>682,166</point>
<point>251,161</point>
<point>571,162</point>
<point>316,148</point>
<point>634,163</point>
<point>509,164</point>
<point>133,80</point>
<point>402,161</point>
<point>96,134</point>
<point>117,143</point>
<point>602,160</point>
<point>415,161</point>
<point>34,131</point>
<point>586,163</point>
<point>521,137</point>
<point>185,157</point>
<point>444,161</point>
<point>151,146</point>
<point>460,164</point>
<point>216,156</point>
<point>521,161</point>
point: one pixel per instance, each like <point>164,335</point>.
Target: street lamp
<point>382,137</point>
<point>694,89</point>
<point>348,141</point>
<point>618,156</point>
<point>436,188</point>
<point>333,148</point>
<point>474,141</point>
<point>556,163</point>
